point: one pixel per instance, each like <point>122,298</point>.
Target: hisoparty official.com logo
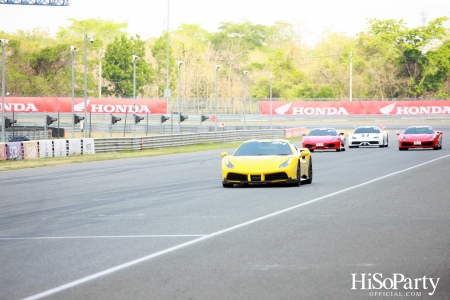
<point>375,281</point>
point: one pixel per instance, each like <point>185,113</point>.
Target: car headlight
<point>334,138</point>
<point>354,137</point>
<point>286,163</point>
<point>228,164</point>
<point>375,137</point>
<point>403,137</point>
<point>305,138</point>
<point>432,137</point>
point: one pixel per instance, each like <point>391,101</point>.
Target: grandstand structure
<point>37,2</point>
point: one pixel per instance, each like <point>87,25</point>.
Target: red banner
<point>94,105</point>
<point>294,132</point>
<point>331,108</point>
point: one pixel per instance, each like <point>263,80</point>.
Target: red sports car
<point>324,139</point>
<point>419,137</point>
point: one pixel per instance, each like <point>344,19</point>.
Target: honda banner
<point>94,105</point>
<point>333,108</point>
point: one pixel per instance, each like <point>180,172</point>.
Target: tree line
<point>388,59</point>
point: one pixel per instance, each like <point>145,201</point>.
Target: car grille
<point>309,146</point>
<point>407,144</point>
<point>277,176</point>
<point>374,142</point>
<point>330,145</point>
<point>427,144</point>
<point>234,176</point>
<point>255,177</point>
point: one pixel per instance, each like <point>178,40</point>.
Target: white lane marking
<point>97,237</point>
<point>183,245</point>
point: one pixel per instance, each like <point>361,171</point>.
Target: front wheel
<point>298,182</point>
<point>310,173</point>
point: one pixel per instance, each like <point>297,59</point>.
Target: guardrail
<point>174,140</point>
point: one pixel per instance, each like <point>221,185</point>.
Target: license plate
<point>319,144</point>
<point>417,143</point>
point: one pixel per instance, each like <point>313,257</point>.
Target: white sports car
<point>368,136</point>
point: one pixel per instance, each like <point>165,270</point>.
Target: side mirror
<point>398,132</point>
<point>304,153</point>
<point>223,154</point>
<point>439,132</point>
<point>341,133</point>
<point>303,134</point>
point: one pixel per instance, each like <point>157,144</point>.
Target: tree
<point>118,67</point>
<point>159,52</point>
<point>414,46</point>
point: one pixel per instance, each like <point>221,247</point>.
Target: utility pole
<point>351,75</point>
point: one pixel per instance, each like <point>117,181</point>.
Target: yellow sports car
<point>267,161</point>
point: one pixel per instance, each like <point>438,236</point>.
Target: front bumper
<point>241,178</point>
<point>360,143</point>
<point>322,146</point>
<point>412,145</point>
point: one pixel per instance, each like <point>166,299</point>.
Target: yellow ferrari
<point>267,161</point>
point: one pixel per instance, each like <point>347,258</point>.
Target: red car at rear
<point>324,139</point>
<point>419,137</point>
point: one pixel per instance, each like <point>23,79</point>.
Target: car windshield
<point>367,130</point>
<point>419,130</point>
<point>322,132</point>
<point>263,148</point>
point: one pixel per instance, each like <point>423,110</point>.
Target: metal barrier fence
<point>174,140</point>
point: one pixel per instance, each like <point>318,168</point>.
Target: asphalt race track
<point>165,228</point>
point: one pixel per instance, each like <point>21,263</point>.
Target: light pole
<point>134,58</point>
<point>245,97</point>
<point>4,43</point>
<point>217,92</point>
<point>179,106</point>
<point>85,80</point>
<point>100,75</point>
<point>72,50</point>
<point>271,78</point>
<point>167,91</point>
<point>351,76</point>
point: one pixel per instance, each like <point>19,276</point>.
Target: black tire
<point>311,150</point>
<point>227,185</point>
<point>338,150</point>
<point>310,173</point>
<point>299,180</point>
<point>387,142</point>
<point>402,149</point>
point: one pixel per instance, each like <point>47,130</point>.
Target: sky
<point>148,17</point>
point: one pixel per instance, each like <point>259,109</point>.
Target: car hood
<point>418,137</point>
<point>366,135</point>
<point>320,139</point>
<point>261,163</point>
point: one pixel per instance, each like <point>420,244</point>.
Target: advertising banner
<point>74,146</point>
<point>14,150</point>
<point>88,146</point>
<point>30,150</point>
<point>294,132</point>
<point>94,105</point>
<point>59,148</point>
<point>334,108</point>
<point>3,151</point>
<point>45,149</point>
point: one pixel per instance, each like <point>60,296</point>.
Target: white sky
<point>148,17</point>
